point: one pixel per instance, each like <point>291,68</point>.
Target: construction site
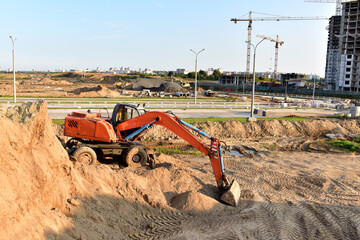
<point>149,156</point>
<point>293,183</point>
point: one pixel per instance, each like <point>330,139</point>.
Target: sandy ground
<point>285,194</point>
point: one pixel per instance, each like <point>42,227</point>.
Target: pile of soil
<point>45,195</point>
<point>48,81</point>
<point>98,91</point>
<point>146,83</point>
<point>172,87</point>
<point>274,128</point>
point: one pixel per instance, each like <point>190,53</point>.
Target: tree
<point>171,73</point>
<point>202,74</point>
<point>216,74</point>
<point>191,75</point>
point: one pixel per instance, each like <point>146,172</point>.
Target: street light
<point>313,97</point>
<point>196,55</point>
<point>13,55</point>
<point>253,83</point>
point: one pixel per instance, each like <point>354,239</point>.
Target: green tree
<point>191,75</point>
<point>171,73</point>
<point>216,74</point>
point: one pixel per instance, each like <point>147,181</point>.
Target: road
<point>208,113</point>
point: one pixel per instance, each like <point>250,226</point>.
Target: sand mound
<point>172,87</point>
<point>146,83</point>
<point>46,81</point>
<point>195,201</point>
<point>64,82</point>
<point>98,91</point>
<point>45,195</point>
<point>33,172</point>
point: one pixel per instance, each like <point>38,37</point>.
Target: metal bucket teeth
<point>232,195</point>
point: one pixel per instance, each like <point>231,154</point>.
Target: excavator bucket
<point>232,195</point>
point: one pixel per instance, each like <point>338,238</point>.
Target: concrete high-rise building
<point>332,56</point>
<point>349,45</point>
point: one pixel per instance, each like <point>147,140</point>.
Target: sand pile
<point>98,91</point>
<point>273,128</point>
<point>46,81</point>
<point>172,87</point>
<point>63,82</point>
<point>146,83</point>
<point>195,201</point>
<point>33,174</point>
<point>45,195</point>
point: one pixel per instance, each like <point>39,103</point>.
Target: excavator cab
<point>123,112</point>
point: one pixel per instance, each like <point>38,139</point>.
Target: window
<point>348,56</point>
<point>348,69</point>
<point>347,76</point>
<point>347,82</point>
<point>348,63</point>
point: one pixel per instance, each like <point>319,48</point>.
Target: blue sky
<point>158,34</point>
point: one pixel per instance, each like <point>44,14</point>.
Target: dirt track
<point>285,194</point>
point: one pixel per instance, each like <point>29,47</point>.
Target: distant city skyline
<point>159,35</point>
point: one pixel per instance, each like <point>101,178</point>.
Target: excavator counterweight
<point>117,135</point>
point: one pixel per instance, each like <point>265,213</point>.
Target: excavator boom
<point>230,191</point>
<point>116,135</point>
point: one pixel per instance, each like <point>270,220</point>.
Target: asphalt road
<point>207,113</point>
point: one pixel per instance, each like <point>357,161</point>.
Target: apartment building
<point>332,56</point>
<point>349,44</point>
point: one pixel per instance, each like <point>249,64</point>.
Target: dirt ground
<point>45,87</point>
<point>291,187</point>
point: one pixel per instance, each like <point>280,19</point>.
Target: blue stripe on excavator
<point>221,160</point>
<point>194,128</point>
<point>146,126</point>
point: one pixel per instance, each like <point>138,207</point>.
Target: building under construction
<point>332,56</point>
<point>343,53</point>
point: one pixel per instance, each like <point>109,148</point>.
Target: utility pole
<point>13,55</point>
<point>196,56</point>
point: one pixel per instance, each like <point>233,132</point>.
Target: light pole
<point>196,56</point>
<point>13,55</point>
<point>253,83</point>
<point>313,98</point>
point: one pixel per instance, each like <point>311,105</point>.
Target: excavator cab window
<point>123,113</point>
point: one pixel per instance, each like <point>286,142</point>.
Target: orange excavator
<point>95,136</point>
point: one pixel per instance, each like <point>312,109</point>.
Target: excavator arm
<point>230,191</point>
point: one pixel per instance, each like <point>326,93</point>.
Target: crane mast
<point>277,43</point>
<point>248,47</point>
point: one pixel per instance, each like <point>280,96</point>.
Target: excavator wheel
<point>135,156</point>
<point>84,155</point>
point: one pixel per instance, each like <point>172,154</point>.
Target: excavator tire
<point>135,156</point>
<point>84,155</point>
